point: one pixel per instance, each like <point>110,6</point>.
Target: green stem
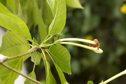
<point>45,61</point>
<point>84,46</point>
<point>80,45</point>
<point>114,77</point>
<point>78,39</point>
<point>35,81</point>
<point>27,53</point>
<point>47,39</point>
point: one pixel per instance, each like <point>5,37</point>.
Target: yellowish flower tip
<point>98,50</point>
<point>89,37</point>
<point>123,9</point>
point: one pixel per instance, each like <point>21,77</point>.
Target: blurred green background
<point>101,19</point>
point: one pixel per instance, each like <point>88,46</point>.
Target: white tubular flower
<point>2,58</point>
<point>94,45</point>
<point>78,39</point>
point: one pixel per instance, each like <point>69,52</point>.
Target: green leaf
<point>11,4</point>
<point>90,82</point>
<point>13,44</point>
<point>74,3</point>
<point>1,81</point>
<point>43,82</point>
<point>36,58</point>
<point>7,76</point>
<point>22,2</point>
<point>20,14</point>
<point>29,13</point>
<point>52,6</point>
<point>3,2</point>
<point>62,57</point>
<point>49,76</point>
<point>46,13</point>
<point>60,73</point>
<point>42,28</point>
<point>59,19</point>
<point>32,75</point>
<point>12,22</point>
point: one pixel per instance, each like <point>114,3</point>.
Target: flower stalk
<point>8,67</point>
<point>78,39</point>
<point>84,46</point>
<point>114,77</point>
<point>95,49</point>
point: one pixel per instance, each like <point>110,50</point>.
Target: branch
<point>114,77</point>
<point>27,53</point>
<point>35,81</point>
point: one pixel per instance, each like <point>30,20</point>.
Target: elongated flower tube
<point>78,39</point>
<point>93,43</point>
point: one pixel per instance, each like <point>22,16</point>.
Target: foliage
<point>17,40</point>
<point>45,20</point>
<point>108,24</point>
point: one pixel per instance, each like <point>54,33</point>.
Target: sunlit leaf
<point>1,81</point>
<point>3,2</point>
<point>60,73</point>
<point>32,75</point>
<point>43,82</point>
<point>36,58</point>
<point>74,3</point>
<point>46,13</point>
<point>20,14</point>
<point>7,76</point>
<point>11,4</point>
<point>22,2</point>
<point>42,28</point>
<point>12,22</point>
<point>62,57</point>
<point>59,19</point>
<point>49,76</point>
<point>90,82</point>
<point>52,6</point>
<point>13,44</point>
<point>30,14</point>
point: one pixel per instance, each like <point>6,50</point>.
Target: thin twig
<point>35,81</point>
<point>27,53</point>
<point>114,77</point>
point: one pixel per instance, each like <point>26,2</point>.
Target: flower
<point>94,45</point>
<point>123,9</point>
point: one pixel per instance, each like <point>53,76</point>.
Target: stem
<point>27,53</point>
<point>47,39</point>
<point>114,77</point>
<point>35,81</point>
<point>83,46</point>
<point>45,61</point>
<point>78,39</point>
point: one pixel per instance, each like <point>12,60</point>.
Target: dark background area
<point>101,19</point>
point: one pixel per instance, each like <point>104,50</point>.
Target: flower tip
<point>98,50</point>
